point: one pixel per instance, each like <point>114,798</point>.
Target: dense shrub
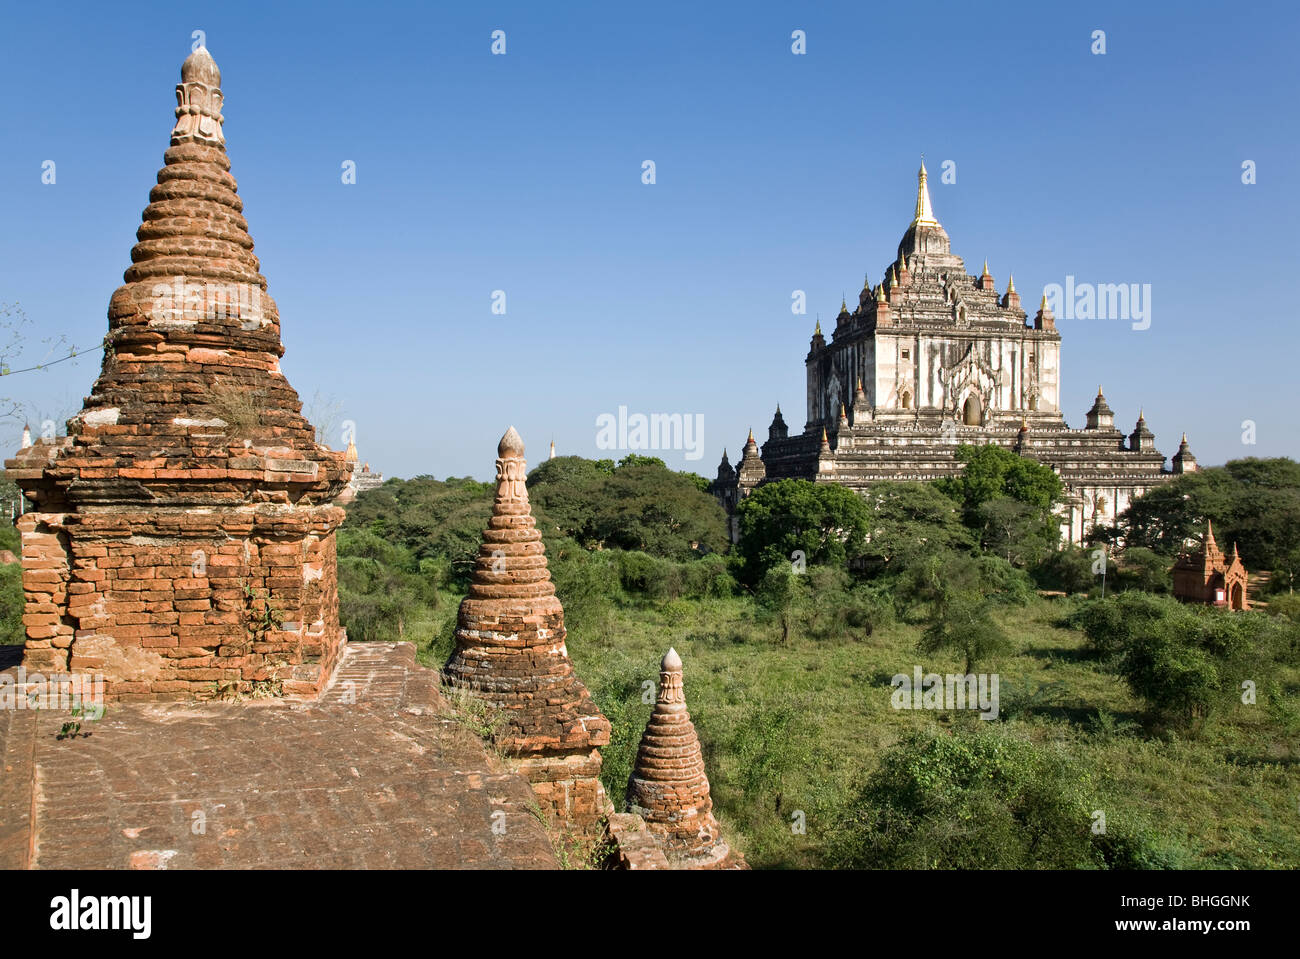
<point>588,584</point>
<point>1068,569</point>
<point>1144,569</point>
<point>978,800</point>
<point>1184,659</point>
<point>1008,585</point>
<point>1110,625</point>
<point>11,605</point>
<point>1285,604</point>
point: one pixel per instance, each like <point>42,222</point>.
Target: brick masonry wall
<point>167,604</point>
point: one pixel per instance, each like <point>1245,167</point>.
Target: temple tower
<point>510,651</point>
<point>182,540</point>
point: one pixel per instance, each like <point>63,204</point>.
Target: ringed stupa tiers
<point>182,540</point>
<point>669,789</point>
<point>511,652</point>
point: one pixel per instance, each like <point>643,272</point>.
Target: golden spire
<point>860,390</point>
<point>1043,305</point>
<point>818,331</point>
<point>751,435</point>
<point>1184,438</point>
<point>825,439</point>
<point>866,282</point>
<point>880,293</point>
<point>1011,283</point>
<point>924,213</point>
<point>986,268</point>
<point>1099,389</point>
<point>893,276</point>
<point>844,304</point>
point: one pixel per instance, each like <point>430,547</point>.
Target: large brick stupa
<point>182,540</point>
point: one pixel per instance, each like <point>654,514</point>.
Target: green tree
<point>992,471</point>
<point>908,521</point>
<point>792,520</point>
<point>958,600</point>
<point>780,593</point>
<point>1019,532</point>
<point>638,505</point>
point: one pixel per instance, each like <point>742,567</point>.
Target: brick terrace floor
<point>386,781</point>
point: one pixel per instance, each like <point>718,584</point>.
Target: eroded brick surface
<point>374,775</point>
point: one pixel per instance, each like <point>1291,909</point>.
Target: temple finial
<point>1011,283</point>
<point>924,212</point>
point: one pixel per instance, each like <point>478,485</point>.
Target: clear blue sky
<point>775,172</point>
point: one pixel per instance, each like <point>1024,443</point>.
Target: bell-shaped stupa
<point>669,788</point>
<point>510,651</point>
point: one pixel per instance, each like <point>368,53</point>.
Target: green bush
<point>979,799</point>
<point>648,575</point>
<point>1144,569</point>
<point>587,583</point>
<point>1068,569</point>
<point>1184,659</point>
<point>1110,625</point>
<point>12,601</point>
<point>1174,677</point>
<point>1008,585</point>
<point>1285,604</point>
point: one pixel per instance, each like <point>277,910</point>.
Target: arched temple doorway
<point>970,411</point>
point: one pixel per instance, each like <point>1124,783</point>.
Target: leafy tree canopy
<point>1254,503</point>
<point>790,519</point>
<point>992,471</point>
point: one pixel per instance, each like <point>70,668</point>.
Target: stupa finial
<point>199,101</point>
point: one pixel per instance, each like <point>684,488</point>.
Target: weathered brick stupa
<point>182,541</point>
<point>510,650</point>
<point>668,787</point>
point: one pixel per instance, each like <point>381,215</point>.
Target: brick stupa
<point>668,788</point>
<point>510,651</point>
<point>182,540</point>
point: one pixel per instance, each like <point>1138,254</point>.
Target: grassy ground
<point>788,729</point>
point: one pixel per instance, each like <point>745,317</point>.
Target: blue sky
<point>774,172</point>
